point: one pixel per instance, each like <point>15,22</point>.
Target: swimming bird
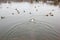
<point>51,14</point>
<point>2,17</point>
<point>47,15</point>
<point>17,11</point>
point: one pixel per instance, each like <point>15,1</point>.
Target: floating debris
<point>12,13</point>
<point>17,11</point>
<point>32,20</point>
<point>36,9</point>
<point>52,15</point>
<point>52,9</point>
<point>2,17</point>
<point>47,15</point>
<point>24,11</point>
<point>30,13</point>
<point>7,7</point>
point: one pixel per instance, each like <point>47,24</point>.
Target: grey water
<point>45,17</point>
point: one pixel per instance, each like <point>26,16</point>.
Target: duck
<point>51,14</point>
<point>46,15</point>
<point>2,17</point>
<point>17,10</point>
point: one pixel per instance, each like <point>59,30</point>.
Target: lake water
<point>32,17</point>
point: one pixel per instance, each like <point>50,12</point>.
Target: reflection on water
<point>32,31</point>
